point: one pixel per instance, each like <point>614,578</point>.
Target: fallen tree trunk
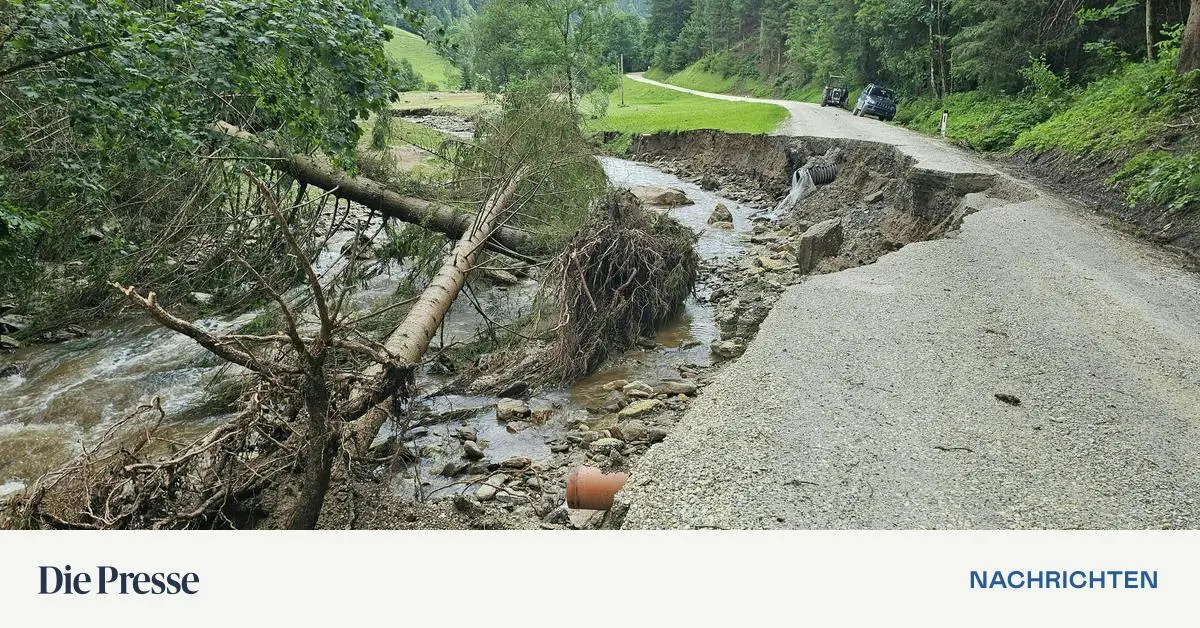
<point>410,340</point>
<point>373,195</point>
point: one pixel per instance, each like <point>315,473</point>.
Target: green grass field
<point>423,57</point>
<point>694,77</point>
<point>649,109</point>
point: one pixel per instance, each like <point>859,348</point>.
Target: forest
<point>922,48</point>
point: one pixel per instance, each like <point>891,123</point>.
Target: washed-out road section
<point>869,399</point>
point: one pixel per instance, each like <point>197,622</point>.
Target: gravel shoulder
<point>869,399</point>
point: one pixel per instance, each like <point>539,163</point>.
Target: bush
<point>1163,178</point>
<point>1119,114</point>
<point>408,78</point>
<point>984,122</point>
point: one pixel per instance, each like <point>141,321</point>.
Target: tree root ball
<point>624,274</point>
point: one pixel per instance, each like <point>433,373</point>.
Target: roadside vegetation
<point>1136,125</point>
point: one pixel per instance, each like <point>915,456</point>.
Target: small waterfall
<point>820,171</point>
<point>802,188</point>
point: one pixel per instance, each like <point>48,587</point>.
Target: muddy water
<point>73,391</point>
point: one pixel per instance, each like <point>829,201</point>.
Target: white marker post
<point>945,121</point>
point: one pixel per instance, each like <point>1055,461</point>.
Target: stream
<point>72,392</point>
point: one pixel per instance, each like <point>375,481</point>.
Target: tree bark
<point>1149,30</point>
<point>373,195</point>
<point>317,455</point>
<point>410,340</point>
<point>1189,53</point>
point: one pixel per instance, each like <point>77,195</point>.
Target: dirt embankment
<point>881,199</point>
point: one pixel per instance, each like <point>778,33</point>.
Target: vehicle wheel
<point>855,112</point>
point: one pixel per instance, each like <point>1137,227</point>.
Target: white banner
<point>599,578</point>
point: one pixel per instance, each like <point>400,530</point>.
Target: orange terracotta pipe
<point>589,488</point>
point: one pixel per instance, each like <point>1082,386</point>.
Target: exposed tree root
<point>624,274</point>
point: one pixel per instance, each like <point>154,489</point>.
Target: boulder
<point>630,431</point>
<point>512,497</point>
<point>454,468</point>
<point>70,332</point>
<point>639,408</point>
<point>638,389</point>
<point>606,423</point>
<point>728,349</point>
<point>501,277</point>
<point>10,370</point>
<point>656,434</point>
<point>468,506</point>
<point>605,445</point>
<point>13,323</point>
<point>514,389</point>
<point>820,241</point>
<point>512,409</point>
<point>675,387</point>
<point>613,402</point>
<point>200,298</point>
<point>8,342</point>
<point>516,462</point>
<point>467,432</point>
<point>616,384</point>
<point>488,491</point>
<point>720,213</point>
<point>472,450</point>
<point>772,264</point>
<point>661,197</point>
<point>728,226</point>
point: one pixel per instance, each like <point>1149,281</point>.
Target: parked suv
<point>876,100</point>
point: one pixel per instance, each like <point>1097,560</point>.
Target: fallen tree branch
<point>373,195</point>
<point>410,340</point>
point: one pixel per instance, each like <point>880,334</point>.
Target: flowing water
<point>73,391</point>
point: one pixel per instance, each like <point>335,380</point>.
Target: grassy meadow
<point>649,109</point>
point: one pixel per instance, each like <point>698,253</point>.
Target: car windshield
<point>882,93</point>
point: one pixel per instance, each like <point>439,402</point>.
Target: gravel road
<point>869,397</point>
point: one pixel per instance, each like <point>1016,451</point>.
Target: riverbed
<point>71,393</point>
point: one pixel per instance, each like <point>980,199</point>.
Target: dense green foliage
<point>105,129</point>
<point>576,42</point>
<point>1139,120</point>
<point>920,47</point>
